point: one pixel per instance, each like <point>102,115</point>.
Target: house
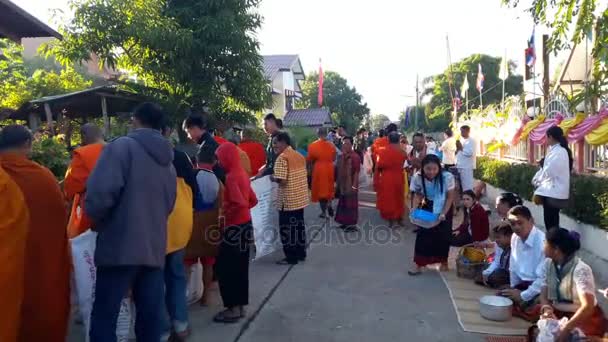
<point>16,24</point>
<point>311,118</point>
<point>284,74</point>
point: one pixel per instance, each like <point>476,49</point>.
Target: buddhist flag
<point>504,68</point>
<point>465,85</point>
<point>320,98</point>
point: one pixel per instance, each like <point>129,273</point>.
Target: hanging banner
<point>265,217</point>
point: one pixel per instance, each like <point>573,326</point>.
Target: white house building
<point>284,74</point>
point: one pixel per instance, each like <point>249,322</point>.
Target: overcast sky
<point>379,46</point>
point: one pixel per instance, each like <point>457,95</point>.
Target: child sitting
<point>497,274</point>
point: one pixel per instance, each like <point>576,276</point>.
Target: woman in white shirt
<point>569,288</point>
<point>552,181</point>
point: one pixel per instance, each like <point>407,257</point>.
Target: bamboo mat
<point>465,296</point>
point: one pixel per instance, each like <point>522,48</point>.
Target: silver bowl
<point>496,308</point>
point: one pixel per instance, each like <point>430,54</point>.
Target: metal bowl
<point>496,308</point>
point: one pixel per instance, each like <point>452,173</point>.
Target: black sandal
<point>221,317</point>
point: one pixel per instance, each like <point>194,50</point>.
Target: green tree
<point>438,87</point>
<point>342,100</point>
<point>184,52</point>
<point>378,122</point>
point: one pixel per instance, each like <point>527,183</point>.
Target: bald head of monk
<point>393,138</point>
<point>322,133</point>
<point>91,134</point>
<point>16,139</point>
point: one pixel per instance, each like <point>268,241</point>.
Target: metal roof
<point>273,64</point>
<point>15,24</point>
<point>314,117</point>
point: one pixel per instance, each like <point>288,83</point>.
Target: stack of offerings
<point>471,262</point>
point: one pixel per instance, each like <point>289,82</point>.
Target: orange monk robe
<point>14,224</point>
<point>46,298</point>
<point>378,145</point>
<point>322,154</point>
<point>390,199</point>
<point>219,140</point>
<point>83,162</point>
<point>245,162</point>
<point>256,153</point>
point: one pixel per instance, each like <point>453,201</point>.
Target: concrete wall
<point>594,241</point>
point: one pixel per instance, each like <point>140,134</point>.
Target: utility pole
<point>546,79</point>
<point>417,104</point>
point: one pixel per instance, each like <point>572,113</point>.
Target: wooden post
<point>49,118</point>
<point>34,121</point>
<point>531,159</point>
<point>579,163</point>
<point>546,77</point>
<point>106,119</point>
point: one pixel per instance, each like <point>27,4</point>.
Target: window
<point>596,159</point>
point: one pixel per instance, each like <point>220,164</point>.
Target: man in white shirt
<point>527,264</point>
<point>448,147</point>
<point>466,158</point>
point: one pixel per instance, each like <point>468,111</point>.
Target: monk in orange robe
<point>321,157</point>
<point>379,144</point>
<point>46,298</point>
<point>390,199</point>
<point>83,162</point>
<point>256,153</point>
<point>13,236</point>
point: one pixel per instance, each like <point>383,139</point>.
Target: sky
<point>379,46</point>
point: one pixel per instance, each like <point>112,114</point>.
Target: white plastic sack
<point>85,274</point>
<point>549,330</point>
<point>363,179</point>
<point>194,292</point>
<point>368,165</point>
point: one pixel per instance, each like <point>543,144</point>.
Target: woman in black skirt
<point>433,190</point>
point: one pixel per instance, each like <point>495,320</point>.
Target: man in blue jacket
<point>129,197</point>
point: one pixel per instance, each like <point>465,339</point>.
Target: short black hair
<point>471,194</point>
<point>466,127</point>
<point>270,117</point>
<point>361,130</point>
<point>503,228</point>
<point>196,120</point>
<point>510,199</point>
<point>381,133</point>
<point>565,240</point>
<point>393,137</point>
<point>391,128</point>
<point>349,138</point>
<point>150,115</point>
<point>14,136</point>
<point>449,133</point>
<point>418,135</point>
<point>279,123</point>
<point>521,210</point>
<point>283,137</point>
<point>206,154</point>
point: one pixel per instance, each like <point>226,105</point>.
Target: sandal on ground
<point>286,262</point>
<point>226,318</point>
<point>415,272</point>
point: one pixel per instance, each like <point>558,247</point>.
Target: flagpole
<point>504,80</point>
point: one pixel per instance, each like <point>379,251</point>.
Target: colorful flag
<point>480,78</point>
<point>531,51</point>
<point>320,98</point>
<point>504,68</point>
<point>465,85</point>
<point>407,117</point>
<point>456,101</point>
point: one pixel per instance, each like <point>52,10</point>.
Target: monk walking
<point>255,151</point>
<point>390,200</point>
<point>321,157</point>
<point>13,237</point>
<point>75,183</point>
<point>46,298</point>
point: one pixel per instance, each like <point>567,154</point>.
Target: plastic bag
<point>549,329</point>
<point>194,292</point>
<point>85,275</point>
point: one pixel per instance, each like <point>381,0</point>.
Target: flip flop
<point>414,273</point>
<point>222,318</point>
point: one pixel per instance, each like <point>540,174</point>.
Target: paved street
<point>350,289</point>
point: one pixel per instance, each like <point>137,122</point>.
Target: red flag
<point>320,98</point>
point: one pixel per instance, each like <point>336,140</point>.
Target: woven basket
<point>474,265</point>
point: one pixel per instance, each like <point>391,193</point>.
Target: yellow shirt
<point>290,167</point>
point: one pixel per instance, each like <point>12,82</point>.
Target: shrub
<point>588,194</point>
<point>51,153</point>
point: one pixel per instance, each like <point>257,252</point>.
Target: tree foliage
<point>378,122</point>
<point>22,81</point>
<point>342,100</point>
<point>184,52</point>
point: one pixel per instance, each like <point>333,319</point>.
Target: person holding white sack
<point>129,197</point>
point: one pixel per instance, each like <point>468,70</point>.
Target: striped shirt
<point>290,166</point>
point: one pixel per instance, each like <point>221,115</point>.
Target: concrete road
<point>353,287</point>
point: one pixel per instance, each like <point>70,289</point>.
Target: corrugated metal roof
<point>273,64</point>
<point>15,23</point>
<point>314,117</point>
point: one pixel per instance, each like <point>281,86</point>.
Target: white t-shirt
<point>467,158</point>
<point>449,151</point>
